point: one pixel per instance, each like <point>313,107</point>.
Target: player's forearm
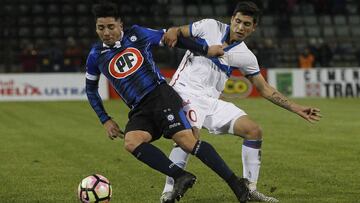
<point>277,98</point>
<point>192,45</point>
<point>181,31</point>
<point>95,100</point>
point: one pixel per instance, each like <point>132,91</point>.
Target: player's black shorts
<point>159,113</point>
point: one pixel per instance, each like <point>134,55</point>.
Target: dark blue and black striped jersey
<point>128,65</point>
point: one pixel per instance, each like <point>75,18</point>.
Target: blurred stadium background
<point>55,35</point>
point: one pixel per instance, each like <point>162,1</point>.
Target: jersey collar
<point>227,35</point>
<point>116,45</point>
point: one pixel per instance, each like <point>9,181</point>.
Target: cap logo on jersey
<point>125,63</point>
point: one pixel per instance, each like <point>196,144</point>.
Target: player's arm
<point>92,93</point>
<point>172,34</point>
<point>267,91</point>
<point>96,103</point>
<point>180,37</point>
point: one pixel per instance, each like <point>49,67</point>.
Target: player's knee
<point>254,133</point>
<point>131,144</point>
<point>186,145</point>
<point>196,132</point>
<point>133,139</point>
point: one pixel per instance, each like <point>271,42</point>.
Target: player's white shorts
<point>216,115</point>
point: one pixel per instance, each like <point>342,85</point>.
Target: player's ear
<point>120,23</point>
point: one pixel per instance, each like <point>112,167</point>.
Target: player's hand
<point>309,113</point>
<point>171,36</point>
<point>215,51</point>
<point>113,129</point>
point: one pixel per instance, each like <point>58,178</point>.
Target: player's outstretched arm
<point>308,113</point>
<point>171,36</point>
<point>180,37</point>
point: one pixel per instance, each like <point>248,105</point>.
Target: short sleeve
<point>246,62</point>
<point>199,28</point>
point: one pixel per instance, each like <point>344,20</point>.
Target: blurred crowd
<point>64,49</point>
<point>316,53</point>
<point>53,56</point>
<point>319,7</point>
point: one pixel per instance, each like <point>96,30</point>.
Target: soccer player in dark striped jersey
<point>125,59</point>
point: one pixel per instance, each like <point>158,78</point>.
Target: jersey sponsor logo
<point>125,63</point>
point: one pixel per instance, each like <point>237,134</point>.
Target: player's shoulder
<point>95,52</point>
<point>140,31</point>
<point>210,22</point>
<point>96,49</point>
<point>131,30</point>
<point>138,28</point>
<point>243,48</point>
<point>242,53</point>
<point>135,27</point>
<point>250,53</point>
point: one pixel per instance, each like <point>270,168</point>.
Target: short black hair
<point>105,9</point>
<point>248,8</point>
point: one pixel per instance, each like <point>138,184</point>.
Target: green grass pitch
<point>48,147</point>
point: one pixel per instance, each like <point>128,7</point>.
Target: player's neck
<point>229,40</point>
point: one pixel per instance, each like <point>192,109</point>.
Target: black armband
<point>192,45</point>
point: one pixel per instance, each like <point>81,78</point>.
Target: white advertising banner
<point>46,86</point>
<point>318,82</point>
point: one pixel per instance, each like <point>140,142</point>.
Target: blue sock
<point>255,144</point>
<point>156,159</point>
<point>208,155</point>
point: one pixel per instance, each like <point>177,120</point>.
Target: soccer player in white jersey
<point>200,81</point>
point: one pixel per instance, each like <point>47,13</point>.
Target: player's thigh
<point>169,114</point>
<point>222,117</point>
<point>245,127</point>
<point>196,108</point>
<point>142,120</point>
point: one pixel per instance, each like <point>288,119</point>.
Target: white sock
<point>251,165</point>
<point>180,158</point>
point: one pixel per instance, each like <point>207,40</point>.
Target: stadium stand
<point>31,28</point>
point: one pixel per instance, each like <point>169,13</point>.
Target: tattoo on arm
<point>280,100</point>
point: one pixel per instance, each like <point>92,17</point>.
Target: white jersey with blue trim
<point>201,75</point>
